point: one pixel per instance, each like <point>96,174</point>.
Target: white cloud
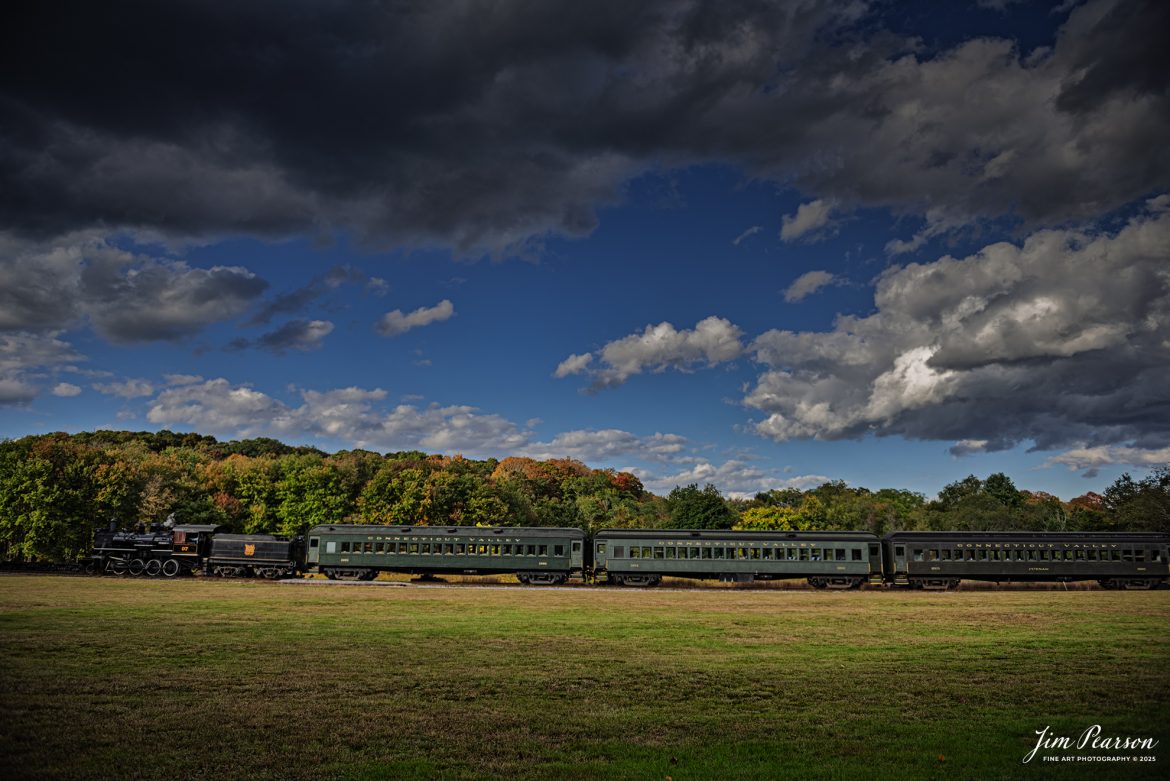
<point>752,231</point>
<point>20,352</point>
<point>360,418</point>
<point>966,447</point>
<point>574,364</point>
<point>809,217</point>
<point>66,389</point>
<point>25,358</point>
<point>734,478</point>
<point>1058,340</point>
<point>14,390</point>
<point>127,389</point>
<point>807,284</point>
<point>604,445</point>
<point>659,347</point>
<point>395,323</point>
<point>1109,455</point>
<point>182,379</point>
<point>352,415</point>
<point>218,406</point>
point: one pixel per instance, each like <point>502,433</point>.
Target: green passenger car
<point>534,555</point>
<point>827,559</point>
<point>940,560</point>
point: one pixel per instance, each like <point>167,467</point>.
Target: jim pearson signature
<point>1090,738</point>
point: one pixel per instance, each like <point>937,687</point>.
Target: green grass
<point>109,678</point>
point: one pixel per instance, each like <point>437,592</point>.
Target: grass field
<point>109,678</point>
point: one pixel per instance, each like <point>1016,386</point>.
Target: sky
<point>754,244</point>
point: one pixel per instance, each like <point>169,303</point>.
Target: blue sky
<point>750,246</point>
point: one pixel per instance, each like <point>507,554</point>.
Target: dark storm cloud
<point>485,126</point>
<point>1124,52</point>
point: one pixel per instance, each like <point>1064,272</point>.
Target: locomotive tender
<point>642,557</point>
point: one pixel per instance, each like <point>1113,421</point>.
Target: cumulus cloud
<point>395,323</point>
<point>218,406</point>
<point>16,391</point>
<point>25,358</point>
<point>126,297</point>
<point>127,389</point>
<point>807,284</point>
<point>1062,340</point>
<point>361,418</point>
<point>462,125</point>
<point>809,218</point>
<point>967,447</point>
<point>604,445</point>
<point>66,389</point>
<point>1091,458</point>
<point>156,300</point>
<point>735,478</point>
<point>353,415</point>
<point>659,347</point>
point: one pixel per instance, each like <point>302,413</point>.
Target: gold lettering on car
<point>249,550</point>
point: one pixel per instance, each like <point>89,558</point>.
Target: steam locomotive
<point>175,550</point>
<point>643,557</point>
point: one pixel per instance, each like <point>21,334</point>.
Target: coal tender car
<point>940,560</point>
<point>642,557</point>
<point>254,555</point>
<point>535,555</point>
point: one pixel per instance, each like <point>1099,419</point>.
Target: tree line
<point>57,489</point>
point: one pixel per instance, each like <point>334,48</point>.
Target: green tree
<point>691,508</point>
<point>772,518</point>
<point>1142,505</point>
<point>1001,488</point>
<point>310,494</point>
<point>953,493</point>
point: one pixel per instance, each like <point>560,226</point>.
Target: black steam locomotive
<point>173,550</point>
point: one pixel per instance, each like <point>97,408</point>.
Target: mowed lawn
<point>120,678</point>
